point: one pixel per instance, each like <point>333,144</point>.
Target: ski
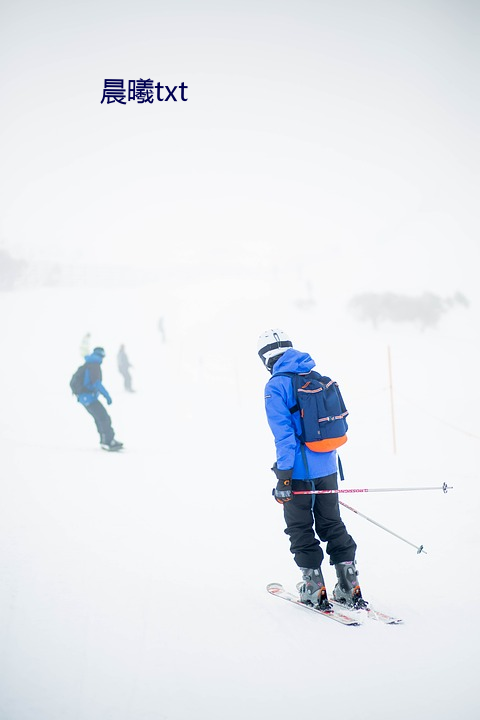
<point>371,613</point>
<point>337,614</point>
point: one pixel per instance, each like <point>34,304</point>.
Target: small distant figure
<point>86,384</point>
<point>124,368</point>
<point>161,329</point>
<point>85,345</point>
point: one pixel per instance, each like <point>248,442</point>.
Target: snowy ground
<point>133,585</point>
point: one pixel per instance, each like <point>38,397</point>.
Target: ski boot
<point>312,589</point>
<point>347,590</point>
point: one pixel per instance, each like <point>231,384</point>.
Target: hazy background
<point>327,155</point>
<point>347,130</point>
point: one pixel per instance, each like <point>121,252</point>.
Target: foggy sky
<point>348,129</point>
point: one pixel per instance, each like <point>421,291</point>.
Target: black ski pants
<point>310,517</point>
<point>102,421</point>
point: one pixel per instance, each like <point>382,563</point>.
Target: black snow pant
<point>309,516</point>
<point>102,421</point>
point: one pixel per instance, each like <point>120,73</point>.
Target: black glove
<point>282,474</point>
<point>283,492</point>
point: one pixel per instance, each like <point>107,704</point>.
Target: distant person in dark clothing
<point>88,397</point>
<point>124,368</point>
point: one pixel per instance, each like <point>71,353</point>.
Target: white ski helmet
<point>271,344</point>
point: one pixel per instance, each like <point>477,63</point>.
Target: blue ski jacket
<point>285,426</point>
<point>93,381</point>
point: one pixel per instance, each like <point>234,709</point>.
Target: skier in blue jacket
<point>93,387</point>
<point>309,518</point>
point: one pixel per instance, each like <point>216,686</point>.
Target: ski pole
<point>419,548</point>
<point>443,487</point>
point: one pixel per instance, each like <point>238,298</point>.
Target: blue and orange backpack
<point>322,410</point>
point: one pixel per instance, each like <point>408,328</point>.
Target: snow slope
<point>133,585</point>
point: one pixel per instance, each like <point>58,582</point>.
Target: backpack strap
<point>304,458</point>
<point>293,377</point>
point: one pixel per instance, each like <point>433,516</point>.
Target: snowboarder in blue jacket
<point>92,388</point>
<point>309,518</point>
